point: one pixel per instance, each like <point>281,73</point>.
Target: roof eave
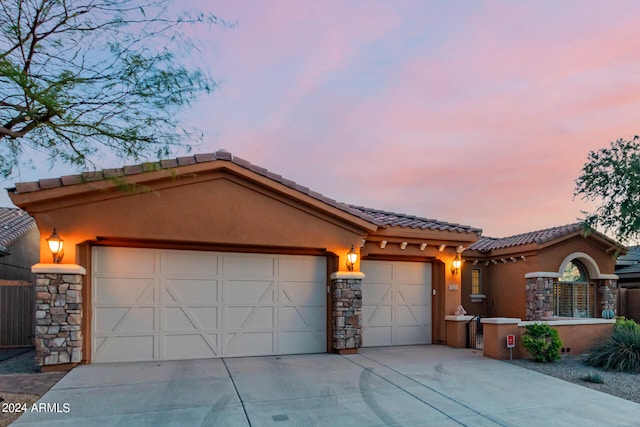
<point>464,238</point>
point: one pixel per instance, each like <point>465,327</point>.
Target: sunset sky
<point>478,112</point>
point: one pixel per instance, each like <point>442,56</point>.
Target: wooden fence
<point>17,313</point>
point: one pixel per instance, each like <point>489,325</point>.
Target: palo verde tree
<point>83,77</point>
<point>611,177</point>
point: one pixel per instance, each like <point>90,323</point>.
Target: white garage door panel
<point>189,304</point>
<point>396,305</point>
<point>254,318</point>
<point>125,260</point>
<point>126,348</point>
<point>196,263</point>
<point>199,291</point>
<point>184,346</point>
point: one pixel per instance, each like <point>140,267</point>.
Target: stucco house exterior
<point>210,255</point>
<point>560,272</point>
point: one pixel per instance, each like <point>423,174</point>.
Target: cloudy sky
<point>475,112</point>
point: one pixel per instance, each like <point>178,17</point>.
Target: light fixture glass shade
<point>352,258</point>
<point>56,245</point>
<point>456,264</point>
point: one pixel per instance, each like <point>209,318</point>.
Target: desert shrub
<point>623,323</point>
<point>542,342</point>
<point>621,352</point>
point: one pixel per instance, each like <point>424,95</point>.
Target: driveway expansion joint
<point>372,371</point>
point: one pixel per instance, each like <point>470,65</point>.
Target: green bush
<point>621,352</point>
<point>624,323</point>
<point>542,342</point>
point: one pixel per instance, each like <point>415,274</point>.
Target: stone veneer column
<point>58,334</point>
<point>346,318</point>
<point>539,296</point>
<point>608,294</point>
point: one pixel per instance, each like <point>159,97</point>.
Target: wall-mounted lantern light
<point>352,258</point>
<point>56,245</point>
<point>456,264</point>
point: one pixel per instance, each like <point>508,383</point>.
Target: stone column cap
<point>347,275</point>
<point>501,320</point>
<point>58,269</point>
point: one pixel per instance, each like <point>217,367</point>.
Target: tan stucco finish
<point>218,206</point>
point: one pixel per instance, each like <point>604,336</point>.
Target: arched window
<point>573,295</point>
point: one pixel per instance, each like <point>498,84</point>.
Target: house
<point>560,272</point>
<point>19,243</point>
<point>210,255</point>
<point>628,271</point>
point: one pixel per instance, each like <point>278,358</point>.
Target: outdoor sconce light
<point>456,264</point>
<point>56,245</point>
<point>352,258</point>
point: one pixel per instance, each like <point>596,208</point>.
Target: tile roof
<point>631,257</point>
<point>222,155</point>
<point>488,244</point>
<point>14,223</point>
<point>395,219</point>
<point>374,216</point>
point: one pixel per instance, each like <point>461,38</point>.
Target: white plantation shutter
<point>574,299</point>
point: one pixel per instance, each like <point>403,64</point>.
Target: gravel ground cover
<point>573,369</point>
<point>22,364</point>
<point>21,400</point>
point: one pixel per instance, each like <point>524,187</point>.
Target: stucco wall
<point>506,293</point>
<point>222,209</point>
<point>551,257</point>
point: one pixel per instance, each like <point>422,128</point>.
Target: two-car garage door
<point>396,303</point>
<point>158,304</point>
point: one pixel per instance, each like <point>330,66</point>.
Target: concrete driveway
<point>417,386</point>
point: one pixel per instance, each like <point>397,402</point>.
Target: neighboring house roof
<point>631,257</point>
<point>628,265</point>
<point>395,219</point>
<point>488,244</point>
<point>376,217</point>
<point>629,270</point>
<point>14,223</point>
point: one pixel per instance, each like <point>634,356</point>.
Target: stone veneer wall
<point>347,312</point>
<point>539,297</point>
<point>58,337</point>
<point>608,294</point>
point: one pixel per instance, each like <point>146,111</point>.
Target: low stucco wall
<point>578,336</point>
<point>457,330</point>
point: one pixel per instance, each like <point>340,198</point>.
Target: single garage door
<point>156,304</point>
<point>396,303</point>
